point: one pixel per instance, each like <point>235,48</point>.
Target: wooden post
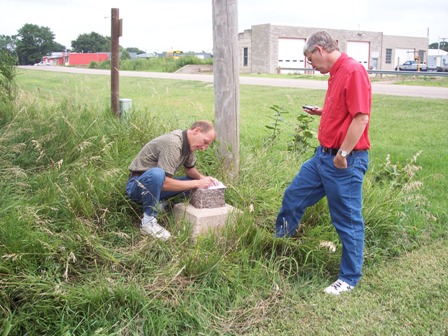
<point>226,81</point>
<point>115,61</point>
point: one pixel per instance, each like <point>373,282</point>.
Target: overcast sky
<point>160,25</point>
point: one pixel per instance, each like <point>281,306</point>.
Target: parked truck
<point>412,66</point>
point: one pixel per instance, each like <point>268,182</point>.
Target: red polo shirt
<point>349,93</point>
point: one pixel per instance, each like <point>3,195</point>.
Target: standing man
<point>152,172</point>
<point>339,164</point>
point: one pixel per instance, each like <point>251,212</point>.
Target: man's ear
<point>197,130</point>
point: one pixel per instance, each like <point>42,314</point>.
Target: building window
<point>388,56</point>
<point>245,56</point>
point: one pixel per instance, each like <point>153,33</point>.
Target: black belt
<point>335,151</point>
<point>331,151</point>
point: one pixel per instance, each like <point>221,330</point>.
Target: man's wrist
<point>343,153</point>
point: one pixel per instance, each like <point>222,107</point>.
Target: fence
<point>376,72</point>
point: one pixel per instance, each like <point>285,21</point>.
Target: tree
<point>443,45</point>
<point>34,42</point>
<point>8,42</point>
<point>58,47</point>
<point>8,72</point>
<point>135,50</point>
<point>92,42</point>
<point>434,45</point>
<point>124,54</point>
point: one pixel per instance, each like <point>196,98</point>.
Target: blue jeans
<point>317,178</point>
<point>146,189</point>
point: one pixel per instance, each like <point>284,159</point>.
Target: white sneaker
<point>338,287</point>
<point>152,228</point>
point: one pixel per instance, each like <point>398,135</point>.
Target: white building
<point>437,58</point>
<point>270,48</point>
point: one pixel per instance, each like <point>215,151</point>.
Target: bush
<point>8,72</point>
<point>156,64</point>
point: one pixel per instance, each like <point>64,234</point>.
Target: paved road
<point>378,88</point>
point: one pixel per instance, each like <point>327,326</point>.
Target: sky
<point>161,25</point>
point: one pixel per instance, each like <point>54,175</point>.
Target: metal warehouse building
<point>270,48</point>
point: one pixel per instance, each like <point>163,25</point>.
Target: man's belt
<point>331,151</point>
<point>334,151</point>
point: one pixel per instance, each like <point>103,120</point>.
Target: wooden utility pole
<point>226,81</point>
<point>115,61</point>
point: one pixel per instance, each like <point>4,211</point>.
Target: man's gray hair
<point>321,39</point>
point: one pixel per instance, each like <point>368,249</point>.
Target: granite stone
<point>208,198</point>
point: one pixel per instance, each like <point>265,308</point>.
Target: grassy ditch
<point>73,263</point>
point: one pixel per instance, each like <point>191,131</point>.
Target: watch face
<point>343,154</point>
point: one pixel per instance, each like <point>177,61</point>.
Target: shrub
<point>8,72</point>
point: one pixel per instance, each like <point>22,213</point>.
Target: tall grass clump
<point>72,260</point>
<point>8,87</point>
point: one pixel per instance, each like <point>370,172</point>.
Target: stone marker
<point>208,198</point>
<point>207,211</point>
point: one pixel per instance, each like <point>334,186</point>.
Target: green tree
<point>8,72</point>
<point>34,42</point>
<point>435,45</point>
<point>92,42</point>
<point>136,50</point>
<point>8,42</point>
<point>58,47</point>
<point>124,54</point>
<point>444,45</point>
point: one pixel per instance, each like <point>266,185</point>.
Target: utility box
<point>125,105</point>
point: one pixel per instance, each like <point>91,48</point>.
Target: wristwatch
<point>343,153</point>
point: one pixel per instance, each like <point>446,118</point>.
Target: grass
<point>394,79</point>
<point>74,263</point>
<point>155,64</point>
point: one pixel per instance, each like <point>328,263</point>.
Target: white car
<point>43,63</point>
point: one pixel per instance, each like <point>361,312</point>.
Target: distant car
<point>442,68</point>
<point>43,63</point>
<point>412,66</point>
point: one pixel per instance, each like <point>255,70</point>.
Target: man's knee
<point>156,173</point>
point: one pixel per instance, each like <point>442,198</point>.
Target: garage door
<point>360,51</point>
<point>290,55</point>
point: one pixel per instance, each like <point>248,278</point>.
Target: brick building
<point>73,59</point>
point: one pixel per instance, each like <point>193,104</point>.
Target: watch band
<point>343,153</point>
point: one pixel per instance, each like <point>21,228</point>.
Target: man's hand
<point>207,181</point>
<point>339,161</point>
<point>313,110</point>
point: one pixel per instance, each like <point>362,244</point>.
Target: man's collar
<point>338,63</point>
<point>185,144</point>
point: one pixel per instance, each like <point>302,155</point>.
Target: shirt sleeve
<point>360,93</point>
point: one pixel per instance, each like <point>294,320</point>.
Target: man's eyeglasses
<point>308,59</point>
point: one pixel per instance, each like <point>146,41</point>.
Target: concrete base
<point>206,219</point>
